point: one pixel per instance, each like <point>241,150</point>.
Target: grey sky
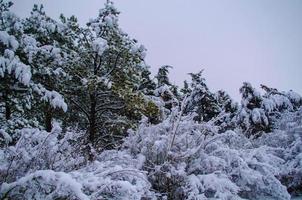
<point>259,41</point>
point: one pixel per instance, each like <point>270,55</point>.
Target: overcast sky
<point>259,41</point>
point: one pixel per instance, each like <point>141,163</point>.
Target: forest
<point>82,117</point>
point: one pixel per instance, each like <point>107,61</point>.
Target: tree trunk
<point>92,120</point>
<point>48,118</point>
<point>8,110</point>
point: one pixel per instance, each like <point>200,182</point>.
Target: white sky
<point>259,41</point>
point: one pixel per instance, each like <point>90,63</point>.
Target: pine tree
<point>146,85</point>
<point>201,100</point>
<point>105,77</point>
<point>252,117</point>
<point>225,102</point>
<point>47,59</point>
<point>228,110</point>
<point>162,76</point>
<point>186,90</point>
<point>15,75</point>
<point>165,91</point>
<point>276,103</point>
<point>20,88</point>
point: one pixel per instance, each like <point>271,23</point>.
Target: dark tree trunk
<point>92,120</point>
<point>8,109</point>
<point>48,118</point>
<point>93,102</point>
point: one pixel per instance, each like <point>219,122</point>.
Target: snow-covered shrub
<point>189,160</point>
<point>39,150</point>
<point>286,143</point>
<point>114,175</point>
<point>44,184</point>
<point>11,129</point>
<point>294,98</point>
<point>45,165</point>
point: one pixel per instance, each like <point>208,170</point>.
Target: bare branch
<point>81,108</point>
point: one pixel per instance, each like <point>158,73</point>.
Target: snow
<point>7,138</point>
<point>59,71</point>
<point>294,97</point>
<point>30,46</point>
<point>99,45</point>
<point>8,40</point>
<point>11,64</point>
<point>220,183</point>
<point>134,48</point>
<point>55,99</point>
<point>62,181</point>
<point>109,20</point>
<point>256,116</point>
<point>84,81</point>
<point>269,105</point>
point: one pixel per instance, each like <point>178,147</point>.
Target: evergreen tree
<point>15,75</point>
<point>46,58</point>
<point>109,68</point>
<point>252,117</point>
<point>201,100</point>
<point>146,85</point>
<point>162,76</point>
<point>166,92</point>
<point>276,103</point>
<point>228,110</point>
<point>175,91</point>
<point>20,88</point>
<point>186,90</point>
<point>295,99</point>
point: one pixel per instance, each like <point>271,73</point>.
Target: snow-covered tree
<point>252,118</point>
<point>15,75</point>
<point>106,76</point>
<point>19,88</point>
<point>186,88</point>
<point>176,159</point>
<point>277,103</point>
<point>47,58</point>
<point>259,113</point>
<point>201,100</point>
<point>124,135</point>
<point>166,93</point>
<point>146,85</point>
<point>162,76</point>
<point>228,110</point>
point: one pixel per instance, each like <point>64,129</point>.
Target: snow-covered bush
<point>176,159</point>
<point>114,175</point>
<point>189,160</point>
<point>39,150</point>
<point>287,144</point>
